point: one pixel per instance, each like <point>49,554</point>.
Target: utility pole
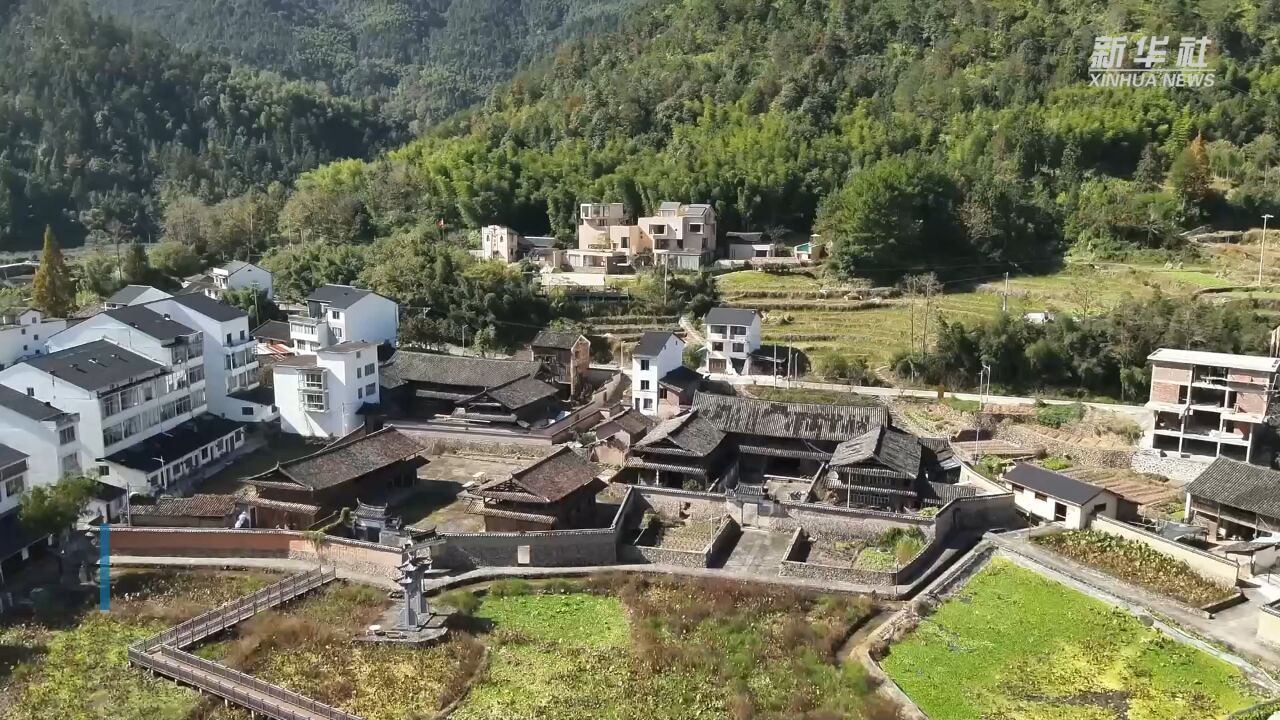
<point>924,334</point>
<point>1263,254</point>
<point>1006,293</point>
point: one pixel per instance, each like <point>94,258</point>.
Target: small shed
<point>1054,497</point>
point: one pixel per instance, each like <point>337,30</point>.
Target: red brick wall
<point>1251,402</point>
<point>1171,373</point>
<point>184,542</point>
<point>1245,376</point>
<point>1164,392</point>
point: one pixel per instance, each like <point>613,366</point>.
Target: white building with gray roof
<point>343,313</point>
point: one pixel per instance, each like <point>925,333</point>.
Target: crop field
<point>1018,646</point>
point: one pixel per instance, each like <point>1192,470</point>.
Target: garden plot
<point>1014,645</point>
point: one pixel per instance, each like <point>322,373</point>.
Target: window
<point>737,331</point>
<point>335,315</point>
<point>70,464</point>
<point>31,392</point>
<point>1100,507</point>
<point>371,389</point>
<point>246,411</point>
<point>738,347</point>
<point>14,486</point>
<point>1041,496</point>
<point>644,364</point>
<point>717,346</point>
<point>717,329</point>
<point>67,435</point>
<point>359,392</point>
<point>644,384</point>
<point>242,332</point>
<point>648,404</point>
<point>637,403</point>
<point>657,229</point>
<point>695,227</point>
<point>195,374</point>
<point>337,333</point>
<point>368,369</point>
<point>104,470</point>
<point>359,372</point>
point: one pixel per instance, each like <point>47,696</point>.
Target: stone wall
<point>555,548</point>
<point>1180,470</point>
<point>1081,455</point>
<point>1269,625</point>
<point>681,503</point>
<point>726,534</point>
<point>831,573</point>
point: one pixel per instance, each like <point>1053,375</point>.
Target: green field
<point>1017,646</point>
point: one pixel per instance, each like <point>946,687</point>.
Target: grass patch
<point>1137,563</point>
<point>1013,644</point>
<point>1057,463</point>
<point>963,406</point>
<point>1055,416</point>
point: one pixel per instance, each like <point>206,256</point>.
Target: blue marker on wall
<point>104,568</point>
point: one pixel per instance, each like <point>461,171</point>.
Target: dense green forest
<point>101,126</point>
<point>426,58</point>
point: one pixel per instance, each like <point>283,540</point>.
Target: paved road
<point>758,551</point>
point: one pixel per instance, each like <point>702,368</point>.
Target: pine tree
<point>136,267</point>
<point>51,289</point>
<point>1150,172</point>
<point>1189,174</point>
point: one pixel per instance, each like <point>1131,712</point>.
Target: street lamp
<point>1263,254</point>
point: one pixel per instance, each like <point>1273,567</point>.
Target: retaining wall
<point>1180,470</point>
<point>1211,566</point>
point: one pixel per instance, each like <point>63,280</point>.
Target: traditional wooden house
<point>566,355</point>
<point>557,492</point>
<point>619,430</point>
<point>369,468</point>
<point>685,451</point>
<point>429,386</point>
<point>887,469</point>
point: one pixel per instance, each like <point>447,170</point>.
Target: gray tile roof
<point>682,378</point>
<point>151,322</point>
<point>273,330</point>
<point>556,476</point>
<point>27,406</point>
<point>341,463</point>
<point>731,316</point>
<point>339,296</point>
<point>95,365</point>
<point>207,306</point>
<point>1055,485</point>
<point>1239,485</point>
<point>556,339</point>
<point>406,366</point>
<point>128,294</point>
<point>688,432</point>
<point>182,440</point>
<point>195,506</point>
<point>521,392</point>
<point>232,266</point>
<point>801,421</point>
<point>9,456</point>
<point>651,343</point>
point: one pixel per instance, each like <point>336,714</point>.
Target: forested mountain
<point>910,132</point>
<point>98,125</point>
<point>428,57</point>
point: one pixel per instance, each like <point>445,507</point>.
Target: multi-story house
<point>322,394</point>
<point>234,275</point>
<point>499,242</point>
<point>139,421</point>
<point>733,334</point>
<point>339,314</point>
<point>606,241</point>
<point>232,374</point>
<point>682,236</point>
<point>23,333</point>
<point>656,356</point>
<point>51,435</point>
<point>1208,405</point>
<point>133,295</point>
<point>566,355</point>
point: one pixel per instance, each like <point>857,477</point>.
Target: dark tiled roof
<point>95,365</point>
<point>150,322</point>
<point>261,395</point>
<point>945,492</point>
<point>173,445</point>
<point>556,339</point>
<point>556,476</point>
<point>209,307</point>
<point>627,420</point>
<point>651,343</point>
<point>341,463</point>
<point>731,316</point>
<point>688,432</point>
<point>232,266</point>
<point>107,492</point>
<point>1239,485</point>
<point>521,392</point>
<point>339,296</point>
<point>194,506</point>
<point>26,405</point>
<point>1055,485</point>
<point>13,538</point>
<point>682,378</point>
<point>273,330</point>
<point>9,456</point>
<point>473,372</point>
<point>128,294</point>
<point>748,416</point>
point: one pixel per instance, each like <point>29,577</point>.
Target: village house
<point>24,332</point>
<point>618,430</point>
<point>566,356</point>
<point>328,393</point>
<point>682,236</point>
<point>133,295</point>
<point>661,385</point>
<point>509,393</point>
<point>685,452</point>
<point>16,544</point>
<point>233,275</point>
<point>376,468</point>
<point>750,246</point>
<point>888,469</point>
<point>341,313</point>
<point>1233,501</point>
<point>50,435</point>
<point>557,492</point>
<point>734,346</point>
<point>1053,497</point>
<point>1208,405</point>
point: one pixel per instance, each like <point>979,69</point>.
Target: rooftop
<point>801,421</point>
<point>273,330</point>
<point>651,343</point>
<point>1214,359</point>
<point>195,506</point>
<point>129,293</point>
<point>1055,485</point>
<point>682,378</point>
<point>888,446</point>
<point>9,456</point>
<point>149,322</point>
<point>556,339</point>
<point>95,365</point>
<point>233,266</point>
<point>346,461</point>
<point>167,447</point>
<point>297,361</point>
<point>521,392</point>
<point>27,406</point>
<point>688,432</point>
<point>210,308</point>
<point>1239,485</point>
<point>550,479</point>
<point>732,316</point>
<point>348,347</point>
<point>407,366</point>
<point>339,296</point>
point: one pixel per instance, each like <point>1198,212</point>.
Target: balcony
<point>309,329</point>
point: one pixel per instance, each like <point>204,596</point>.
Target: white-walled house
<point>340,314</point>
<point>323,394</point>
<point>682,236</point>
<point>49,435</point>
<point>1054,497</point>
<point>733,334</point>
<point>24,332</point>
<point>133,295</point>
<point>655,355</point>
<point>238,275</point>
<point>499,242</point>
<point>13,478</point>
